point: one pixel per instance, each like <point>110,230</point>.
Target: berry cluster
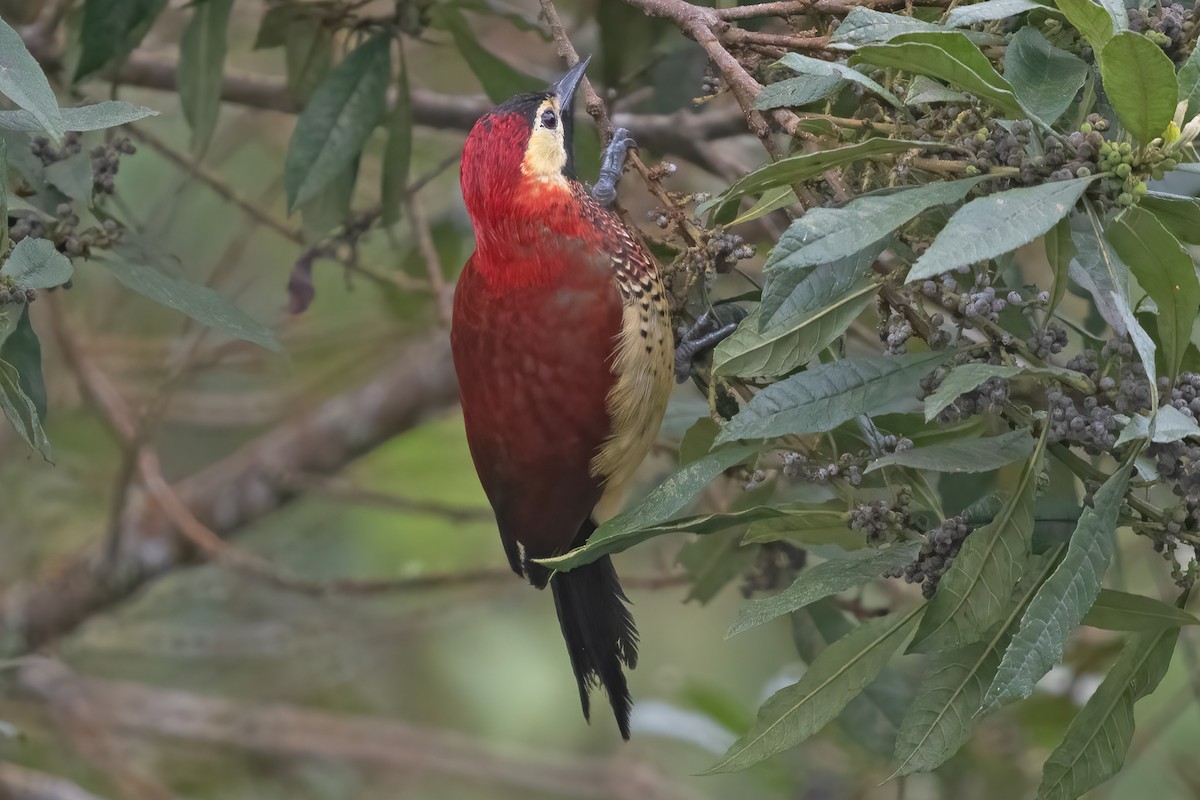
<point>1088,424</point>
<point>106,162</point>
<point>896,332</point>
<point>11,293</point>
<point>1089,421</point>
<point>1049,341</point>
<point>64,232</point>
<point>723,250</point>
<point>710,84</point>
<point>46,153</point>
<point>989,397</point>
<point>1168,26</point>
<point>937,552</point>
<point>996,146</point>
<point>849,467</point>
<point>1178,463</point>
<point>881,521</point>
<point>1129,181</point>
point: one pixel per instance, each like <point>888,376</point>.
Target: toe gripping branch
<point>708,331</point>
<point>611,165</point>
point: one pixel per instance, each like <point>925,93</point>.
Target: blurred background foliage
<point>455,689</point>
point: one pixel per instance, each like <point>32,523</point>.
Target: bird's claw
<point>706,333</point>
<point>611,165</point>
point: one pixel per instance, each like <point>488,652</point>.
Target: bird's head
<point>520,155</point>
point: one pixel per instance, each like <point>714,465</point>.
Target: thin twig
<point>429,254</point>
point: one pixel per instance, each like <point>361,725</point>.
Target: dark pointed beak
<point>565,86</point>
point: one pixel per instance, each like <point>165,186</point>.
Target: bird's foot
<point>708,331</point>
<point>611,165</point>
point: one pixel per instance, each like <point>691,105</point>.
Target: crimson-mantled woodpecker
<point>564,352</point>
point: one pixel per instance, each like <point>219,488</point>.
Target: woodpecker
<point>564,352</point>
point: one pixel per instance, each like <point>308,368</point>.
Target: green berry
<point>1124,199</point>
<point>1140,188</point>
<point>1085,127</point>
<point>1123,170</point>
<point>1168,164</point>
<point>1083,172</point>
<point>1125,148</point>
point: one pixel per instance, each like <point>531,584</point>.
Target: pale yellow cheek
<point>545,158</point>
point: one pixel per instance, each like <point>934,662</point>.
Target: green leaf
<point>793,169</point>
<point>1044,78</point>
<point>973,593</point>
<point>824,580</point>
<point>1060,249</point>
<point>1178,214</point>
<point>337,121</point>
<point>711,562</point>
<point>794,290</point>
<point>22,350</point>
<point>308,53</point>
<point>990,10</point>
<point>23,82</point>
<point>1170,425</point>
<point>1139,80</point>
<point>967,377</point>
<point>94,117</point>
<point>1092,20</point>
<point>35,264</point>
<point>772,200</point>
<point>21,411</point>
<point>924,90</point>
<point>202,69</point>
<point>272,30</point>
<point>668,499</point>
<point>871,719</point>
<point>1063,600</point>
<point>815,67</point>
<point>1165,270</point>
<point>73,177</point>
<point>949,56</point>
<point>822,398</point>
<point>795,92</point>
<point>331,206</point>
<point>828,234</point>
<point>1121,611</point>
<point>807,527</point>
<point>499,79</point>
<point>198,302</point>
<point>397,155</point>
<point>867,26</point>
<point>833,679</point>
<point>4,233</point>
<point>1098,270</point>
<point>810,307</point>
<point>964,455</point>
<point>997,224</point>
<point>1188,83</point>
<point>1094,746</point>
<point>111,29</point>
<point>943,713</point>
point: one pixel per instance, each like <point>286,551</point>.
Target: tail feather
<point>599,632</point>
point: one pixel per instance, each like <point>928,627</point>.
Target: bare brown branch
<point>19,783</point>
<point>291,732</point>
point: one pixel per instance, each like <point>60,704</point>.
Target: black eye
<point>549,119</point>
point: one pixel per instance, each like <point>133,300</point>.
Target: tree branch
<point>19,783</point>
<point>675,133</point>
<point>291,732</point>
<point>231,494</point>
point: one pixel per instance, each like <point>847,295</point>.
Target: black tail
<point>599,632</point>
